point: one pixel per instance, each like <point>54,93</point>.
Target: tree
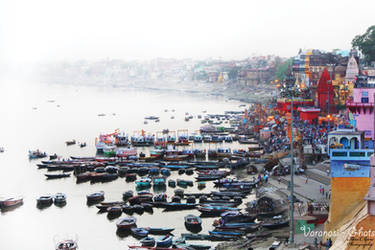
<point>282,69</point>
<point>366,44</point>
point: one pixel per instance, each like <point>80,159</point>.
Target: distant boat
<point>152,118</point>
<point>72,142</point>
<point>11,202</point>
<point>60,198</point>
<point>101,114</point>
<point>164,241</point>
<point>36,154</point>
<point>66,245</point>
<point>1,150</point>
<point>56,176</point>
<point>95,197</point>
<point>126,223</point>
<point>192,221</point>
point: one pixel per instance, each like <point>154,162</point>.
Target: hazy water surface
<point>47,128</point>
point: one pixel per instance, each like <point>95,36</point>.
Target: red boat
<point>11,202</point>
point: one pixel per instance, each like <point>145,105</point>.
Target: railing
<point>351,154</point>
<point>359,104</point>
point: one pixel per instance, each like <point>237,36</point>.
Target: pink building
<point>362,105</point>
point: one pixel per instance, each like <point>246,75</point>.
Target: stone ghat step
<point>317,177</point>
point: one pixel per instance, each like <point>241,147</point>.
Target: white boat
<point>126,152</point>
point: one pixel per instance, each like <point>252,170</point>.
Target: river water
<point>30,121</point>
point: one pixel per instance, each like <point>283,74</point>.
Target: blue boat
<point>164,241</point>
<point>176,167</point>
<point>231,233</point>
<point>139,232</point>
<point>144,182</point>
<point>154,171</point>
<point>148,241</point>
<point>165,172</point>
<point>158,181</point>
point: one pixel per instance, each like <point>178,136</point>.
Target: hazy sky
<point>40,30</point>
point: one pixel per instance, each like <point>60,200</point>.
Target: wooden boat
<point>72,142</point>
<point>36,154</point>
<point>208,177</point>
<point>126,223</point>
<point>158,231</point>
<point>160,197</point>
<point>139,232</point>
<point>130,177</point>
<point>226,232</point>
<point>215,210</point>
<point>239,225</point>
<point>175,157</point>
<point>181,182</point>
<point>275,223</point>
<point>11,202</point>
<point>95,197</point>
<point>127,195</point>
<point>127,209</point>
<point>56,176</point>
<point>165,172</point>
<point>179,206</point>
<point>139,209</point>
<point>164,241</point>
<point>140,199</point>
<point>144,182</point>
<point>53,157</point>
<point>223,181</point>
<point>175,167</point>
<point>158,181</point>
<point>192,221</point>
<point>114,210</point>
<point>66,245</point>
<point>45,200</point>
<point>236,217</point>
<point>228,194</point>
<point>195,246</point>
<point>65,168</point>
<point>148,241</point>
<point>60,198</point>
<point>204,167</point>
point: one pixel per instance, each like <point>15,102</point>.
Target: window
<point>357,154</point>
<point>365,94</point>
<point>339,153</point>
<point>364,99</point>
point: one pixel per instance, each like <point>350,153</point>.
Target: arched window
<point>354,143</point>
<point>345,142</point>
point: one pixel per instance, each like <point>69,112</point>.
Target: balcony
<point>350,154</point>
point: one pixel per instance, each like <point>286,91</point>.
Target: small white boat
<point>66,245</point>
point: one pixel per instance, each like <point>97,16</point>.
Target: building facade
<point>362,105</point>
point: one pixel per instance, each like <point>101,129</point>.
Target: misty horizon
<point>48,31</point>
